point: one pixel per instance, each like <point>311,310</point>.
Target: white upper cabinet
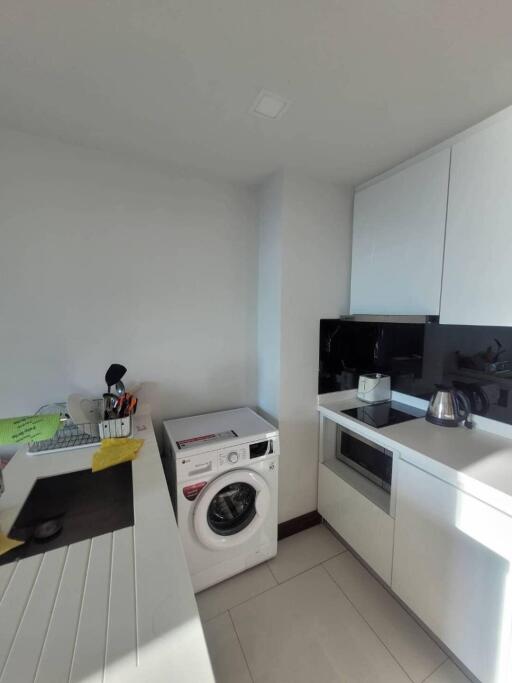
<point>398,240</point>
<point>477,280</point>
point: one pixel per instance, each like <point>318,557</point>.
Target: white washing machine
<point>223,473</point>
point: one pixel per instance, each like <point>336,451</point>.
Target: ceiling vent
<point>269,105</point>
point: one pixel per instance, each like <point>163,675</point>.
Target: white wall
<point>305,234</point>
<point>104,261</point>
<point>270,222</point>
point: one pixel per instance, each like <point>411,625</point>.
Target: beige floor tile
<point>303,551</point>
<point>306,630</point>
<point>448,673</point>
<point>225,652</point>
<point>407,641</point>
<point>217,599</point>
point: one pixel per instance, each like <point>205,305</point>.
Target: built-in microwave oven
<point>366,457</point>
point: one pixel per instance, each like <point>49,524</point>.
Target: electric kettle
<point>448,408</point>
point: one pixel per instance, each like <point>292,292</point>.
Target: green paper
<point>29,428</point>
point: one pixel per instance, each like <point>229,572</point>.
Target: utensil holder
<point>113,429</point>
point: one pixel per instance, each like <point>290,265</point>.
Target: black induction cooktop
<point>385,414</point>
<point>68,508</point>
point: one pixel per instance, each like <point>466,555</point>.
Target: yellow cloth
<point>115,451</point>
<point>7,544</point>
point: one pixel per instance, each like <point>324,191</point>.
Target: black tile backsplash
<point>475,359</point>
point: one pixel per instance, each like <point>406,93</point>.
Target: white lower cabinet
<point>452,567</point>
<point>367,528</point>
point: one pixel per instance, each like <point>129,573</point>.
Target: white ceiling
<point>371,82</point>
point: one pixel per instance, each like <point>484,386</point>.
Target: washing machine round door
<point>231,508</point>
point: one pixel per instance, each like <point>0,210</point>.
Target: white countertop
<point>476,461</point>
<point>118,607</point>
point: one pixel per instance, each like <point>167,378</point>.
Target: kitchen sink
<point>72,507</point>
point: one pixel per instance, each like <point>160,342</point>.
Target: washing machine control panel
<point>236,455</point>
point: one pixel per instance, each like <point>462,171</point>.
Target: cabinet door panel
<point>477,278</point>
<point>451,566</point>
<point>363,525</point>
<point>397,253</point>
